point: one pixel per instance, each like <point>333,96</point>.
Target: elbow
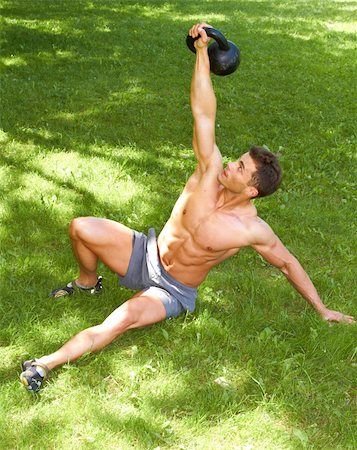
<point>198,111</point>
<point>203,117</point>
<point>288,266</point>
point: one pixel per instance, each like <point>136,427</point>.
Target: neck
<point>231,200</point>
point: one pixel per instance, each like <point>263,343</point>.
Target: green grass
<point>96,121</point>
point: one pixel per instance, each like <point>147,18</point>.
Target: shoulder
<point>261,233</point>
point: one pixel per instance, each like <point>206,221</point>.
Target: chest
<point>220,232</point>
<point>212,230</point>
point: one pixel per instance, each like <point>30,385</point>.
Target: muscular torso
<point>201,231</point>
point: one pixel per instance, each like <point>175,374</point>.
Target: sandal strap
<point>88,288</point>
<point>42,365</point>
<point>83,288</point>
<point>73,286</point>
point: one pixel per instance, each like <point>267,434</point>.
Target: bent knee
<point>79,228</point>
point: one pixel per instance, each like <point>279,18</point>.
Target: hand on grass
<point>197,30</point>
<point>335,316</point>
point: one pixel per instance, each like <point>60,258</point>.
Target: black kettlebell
<point>224,56</point>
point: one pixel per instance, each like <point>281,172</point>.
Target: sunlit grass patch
<point>260,428</point>
<point>112,183</point>
<point>344,27</point>
<point>13,61</point>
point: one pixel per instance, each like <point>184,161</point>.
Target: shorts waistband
<point>166,275</point>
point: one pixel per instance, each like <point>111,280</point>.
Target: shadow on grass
<point>85,74</point>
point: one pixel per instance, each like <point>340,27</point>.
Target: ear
<point>252,191</point>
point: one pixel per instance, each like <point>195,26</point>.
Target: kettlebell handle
<point>211,32</point>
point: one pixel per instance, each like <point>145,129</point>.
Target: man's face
<point>237,175</point>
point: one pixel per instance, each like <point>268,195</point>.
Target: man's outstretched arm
<point>203,104</point>
<point>273,251</point>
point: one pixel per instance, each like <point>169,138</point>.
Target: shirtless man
<point>212,220</point>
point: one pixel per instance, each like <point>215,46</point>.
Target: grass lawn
<point>96,121</point>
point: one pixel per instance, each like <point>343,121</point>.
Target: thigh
<point>111,241</point>
<point>172,306</point>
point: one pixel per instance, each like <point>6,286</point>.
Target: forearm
<point>278,255</point>
<point>299,279</point>
<point>203,99</point>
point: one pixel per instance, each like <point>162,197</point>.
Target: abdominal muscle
<point>184,258</point>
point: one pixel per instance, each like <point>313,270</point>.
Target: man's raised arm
<point>203,103</point>
<point>272,250</point>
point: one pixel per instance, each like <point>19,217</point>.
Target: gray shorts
<point>145,272</point>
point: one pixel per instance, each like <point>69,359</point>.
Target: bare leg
<point>103,239</point>
<point>139,311</point>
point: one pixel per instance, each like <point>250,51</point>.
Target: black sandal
<point>72,286</point>
<point>33,375</point>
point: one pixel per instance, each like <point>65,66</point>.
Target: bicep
<point>274,251</point>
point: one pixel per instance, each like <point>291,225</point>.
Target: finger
<point>199,29</point>
<point>192,31</point>
<point>203,34</point>
<point>345,319</point>
<point>195,30</point>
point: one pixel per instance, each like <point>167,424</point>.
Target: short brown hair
<point>267,177</point>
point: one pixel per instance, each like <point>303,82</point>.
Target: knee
<point>127,318</point>
<point>78,228</point>
<point>130,317</point>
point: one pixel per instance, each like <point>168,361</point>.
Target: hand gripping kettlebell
<point>224,56</point>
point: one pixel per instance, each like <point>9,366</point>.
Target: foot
<point>33,374</point>
<point>72,286</point>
